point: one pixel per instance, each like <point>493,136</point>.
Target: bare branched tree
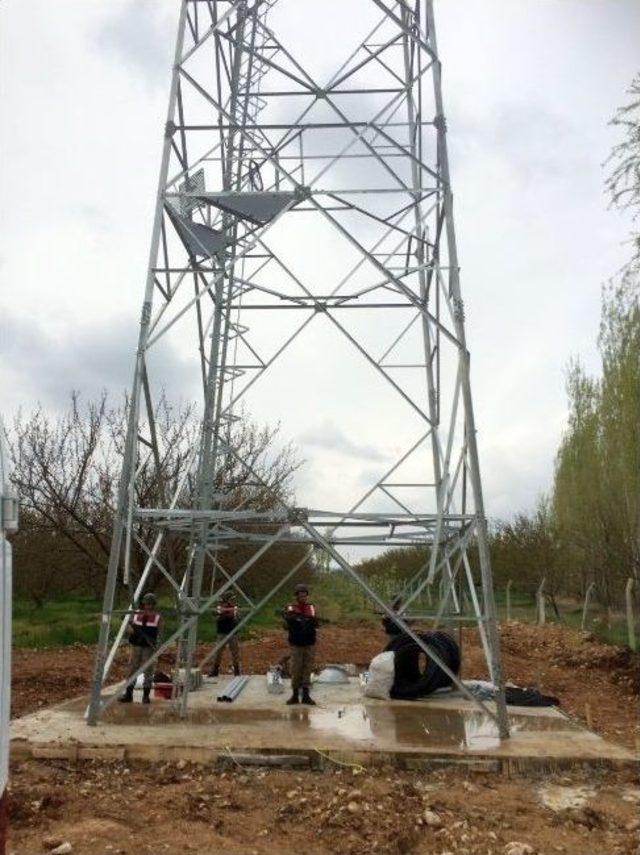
<point>67,468</point>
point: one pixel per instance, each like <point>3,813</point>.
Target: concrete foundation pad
<point>343,727</point>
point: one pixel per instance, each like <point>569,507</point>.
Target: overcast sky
<point>529,87</point>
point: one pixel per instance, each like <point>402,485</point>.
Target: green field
<point>62,622</point>
<point>75,621</point>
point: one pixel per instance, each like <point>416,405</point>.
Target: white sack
<point>381,674</point>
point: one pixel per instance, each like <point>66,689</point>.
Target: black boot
<point>145,696</point>
<point>294,699</point>
<point>307,699</point>
<point>127,696</point>
<point>213,672</point>
<point>236,671</point>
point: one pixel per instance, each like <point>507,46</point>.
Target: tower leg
<point>128,468</point>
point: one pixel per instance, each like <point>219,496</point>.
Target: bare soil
<point>177,809</point>
<point>113,808</point>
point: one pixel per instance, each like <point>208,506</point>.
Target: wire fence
<point>75,620</point>
<point>613,626</point>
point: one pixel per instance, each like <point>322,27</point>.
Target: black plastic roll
<point>409,681</point>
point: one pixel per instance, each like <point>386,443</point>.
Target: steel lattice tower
<point>254,143</point>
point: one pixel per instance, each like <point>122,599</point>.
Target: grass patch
<point>337,598</point>
<point>56,624</point>
<point>60,623</point>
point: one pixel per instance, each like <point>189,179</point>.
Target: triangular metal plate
<point>256,206</point>
<point>198,238</point>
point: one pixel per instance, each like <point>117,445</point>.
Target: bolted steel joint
<point>302,192</point>
<point>440,123</point>
<point>299,515</point>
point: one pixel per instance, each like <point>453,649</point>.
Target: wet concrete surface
<point>415,725</point>
<point>342,721</point>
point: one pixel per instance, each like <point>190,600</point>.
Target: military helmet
<point>149,599</point>
<point>301,589</point>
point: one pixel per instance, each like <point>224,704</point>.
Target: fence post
<point>508,598</point>
<point>630,624</point>
<point>585,608</point>
<point>542,614</point>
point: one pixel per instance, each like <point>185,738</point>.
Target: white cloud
<point>138,33</point>
<point>329,436</point>
<point>529,88</point>
<point>41,364</point>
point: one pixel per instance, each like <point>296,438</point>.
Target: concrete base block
<point>344,729</point>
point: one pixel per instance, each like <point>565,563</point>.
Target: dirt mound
<point>622,664</point>
<point>574,650</point>
<point>596,682</point>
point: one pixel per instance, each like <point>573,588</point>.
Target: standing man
<point>227,620</point>
<point>301,622</point>
<point>142,631</point>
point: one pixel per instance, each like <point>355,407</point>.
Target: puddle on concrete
<point>416,726</point>
<point>421,726</point>
<point>559,798</point>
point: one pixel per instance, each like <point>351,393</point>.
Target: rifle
<point>284,614</point>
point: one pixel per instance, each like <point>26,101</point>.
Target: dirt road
<point>178,809</point>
